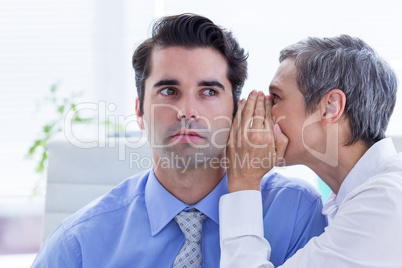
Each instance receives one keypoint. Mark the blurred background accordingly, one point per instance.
(56, 53)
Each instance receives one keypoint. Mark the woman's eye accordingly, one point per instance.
(168, 91)
(210, 92)
(275, 98)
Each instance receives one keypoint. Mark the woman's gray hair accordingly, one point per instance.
(349, 64)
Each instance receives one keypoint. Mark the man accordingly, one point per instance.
(335, 97)
(189, 76)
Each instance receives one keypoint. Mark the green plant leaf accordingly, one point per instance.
(48, 128)
(60, 109)
(41, 165)
(53, 88)
(32, 149)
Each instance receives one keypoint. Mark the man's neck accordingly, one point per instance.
(189, 185)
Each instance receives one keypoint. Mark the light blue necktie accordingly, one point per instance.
(190, 223)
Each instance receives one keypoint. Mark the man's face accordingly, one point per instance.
(289, 112)
(188, 103)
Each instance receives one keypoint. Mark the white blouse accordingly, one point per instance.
(365, 221)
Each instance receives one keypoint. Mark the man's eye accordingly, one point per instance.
(210, 92)
(168, 91)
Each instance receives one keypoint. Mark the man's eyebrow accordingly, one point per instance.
(167, 82)
(213, 83)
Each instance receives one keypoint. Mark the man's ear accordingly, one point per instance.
(332, 106)
(140, 119)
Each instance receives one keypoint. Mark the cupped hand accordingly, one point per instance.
(255, 143)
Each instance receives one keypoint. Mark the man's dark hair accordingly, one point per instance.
(348, 64)
(191, 31)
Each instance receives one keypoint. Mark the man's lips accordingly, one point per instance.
(187, 135)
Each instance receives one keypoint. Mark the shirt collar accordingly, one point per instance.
(364, 169)
(162, 206)
(209, 205)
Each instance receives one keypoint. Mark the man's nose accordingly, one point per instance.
(188, 108)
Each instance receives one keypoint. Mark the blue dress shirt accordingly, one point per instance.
(133, 226)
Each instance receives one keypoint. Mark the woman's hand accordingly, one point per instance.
(256, 144)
